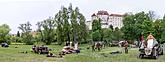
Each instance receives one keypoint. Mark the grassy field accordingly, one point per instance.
(12, 54)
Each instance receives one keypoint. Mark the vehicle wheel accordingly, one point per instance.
(161, 53)
(141, 56)
(156, 57)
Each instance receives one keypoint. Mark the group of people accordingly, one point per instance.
(97, 46)
(125, 45)
(150, 42)
(68, 49)
(64, 51)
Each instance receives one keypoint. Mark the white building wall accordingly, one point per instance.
(89, 25)
(116, 21)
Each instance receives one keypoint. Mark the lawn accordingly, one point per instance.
(12, 54)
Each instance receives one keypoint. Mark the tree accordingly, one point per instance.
(107, 35)
(157, 29)
(111, 27)
(152, 15)
(18, 34)
(17, 38)
(70, 25)
(4, 33)
(129, 27)
(163, 29)
(147, 28)
(137, 24)
(59, 31)
(96, 30)
(66, 25)
(75, 24)
(40, 35)
(47, 33)
(96, 35)
(117, 34)
(26, 33)
(83, 34)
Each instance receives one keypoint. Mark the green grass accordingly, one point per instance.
(11, 55)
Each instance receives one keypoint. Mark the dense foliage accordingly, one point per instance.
(144, 24)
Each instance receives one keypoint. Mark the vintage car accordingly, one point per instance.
(151, 48)
(40, 49)
(160, 49)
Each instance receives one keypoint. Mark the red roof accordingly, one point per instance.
(102, 13)
(93, 15)
(119, 15)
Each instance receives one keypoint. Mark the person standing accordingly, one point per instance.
(76, 47)
(126, 47)
(142, 42)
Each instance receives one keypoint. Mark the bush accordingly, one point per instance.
(39, 43)
(8, 42)
(29, 41)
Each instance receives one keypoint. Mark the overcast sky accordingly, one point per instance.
(15, 12)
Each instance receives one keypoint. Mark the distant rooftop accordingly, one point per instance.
(102, 13)
(93, 15)
(119, 15)
(106, 13)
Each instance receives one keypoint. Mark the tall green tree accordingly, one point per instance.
(59, 30)
(129, 29)
(66, 25)
(83, 29)
(75, 24)
(47, 33)
(40, 33)
(26, 33)
(70, 25)
(108, 35)
(96, 30)
(117, 34)
(157, 29)
(18, 34)
(111, 27)
(4, 33)
(163, 29)
(137, 24)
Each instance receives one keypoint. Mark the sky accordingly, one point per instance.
(15, 12)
